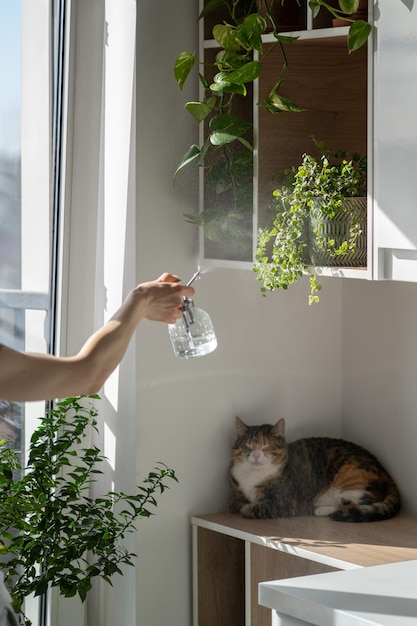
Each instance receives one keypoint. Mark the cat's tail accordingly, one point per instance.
(369, 507)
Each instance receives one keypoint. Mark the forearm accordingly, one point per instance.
(104, 350)
(26, 376)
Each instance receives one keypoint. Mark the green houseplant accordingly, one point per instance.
(52, 533)
(226, 152)
(319, 218)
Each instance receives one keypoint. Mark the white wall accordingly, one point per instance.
(379, 399)
(277, 357)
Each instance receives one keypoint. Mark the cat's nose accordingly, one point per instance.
(257, 454)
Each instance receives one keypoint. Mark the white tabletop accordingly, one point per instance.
(385, 595)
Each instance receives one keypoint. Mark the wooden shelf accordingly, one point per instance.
(232, 555)
(338, 544)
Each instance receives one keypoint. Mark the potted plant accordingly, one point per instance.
(52, 533)
(225, 81)
(319, 219)
(361, 13)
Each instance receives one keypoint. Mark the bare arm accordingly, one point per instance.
(26, 376)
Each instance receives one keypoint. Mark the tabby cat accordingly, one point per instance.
(313, 476)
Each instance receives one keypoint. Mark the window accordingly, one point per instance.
(29, 34)
(75, 146)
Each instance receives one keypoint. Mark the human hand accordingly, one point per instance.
(161, 299)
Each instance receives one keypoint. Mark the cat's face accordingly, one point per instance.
(258, 446)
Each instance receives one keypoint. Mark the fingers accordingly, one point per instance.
(176, 315)
(162, 299)
(184, 291)
(173, 279)
(168, 278)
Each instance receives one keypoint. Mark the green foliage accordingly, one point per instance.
(227, 152)
(51, 531)
(282, 249)
(239, 63)
(229, 198)
(359, 30)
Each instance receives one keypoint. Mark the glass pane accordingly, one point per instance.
(25, 213)
(10, 151)
(11, 320)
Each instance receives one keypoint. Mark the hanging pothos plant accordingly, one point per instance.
(227, 151)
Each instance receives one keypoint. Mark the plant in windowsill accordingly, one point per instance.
(227, 153)
(52, 533)
(319, 219)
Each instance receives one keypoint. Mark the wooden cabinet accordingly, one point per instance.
(363, 101)
(232, 555)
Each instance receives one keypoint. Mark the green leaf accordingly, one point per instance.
(245, 143)
(229, 60)
(314, 7)
(358, 34)
(246, 74)
(183, 66)
(348, 6)
(193, 218)
(210, 6)
(277, 104)
(200, 110)
(191, 155)
(226, 128)
(225, 35)
(225, 86)
(249, 33)
(203, 80)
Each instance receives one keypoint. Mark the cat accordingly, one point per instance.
(320, 476)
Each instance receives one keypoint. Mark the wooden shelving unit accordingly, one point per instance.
(323, 78)
(232, 555)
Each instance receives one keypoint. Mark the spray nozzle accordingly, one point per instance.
(187, 304)
(196, 275)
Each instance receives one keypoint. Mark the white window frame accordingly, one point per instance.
(97, 265)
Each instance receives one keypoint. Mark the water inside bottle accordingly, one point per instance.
(186, 347)
(193, 335)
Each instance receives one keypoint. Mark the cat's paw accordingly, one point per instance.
(323, 511)
(256, 510)
(249, 511)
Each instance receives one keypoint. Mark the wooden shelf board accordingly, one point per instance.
(338, 544)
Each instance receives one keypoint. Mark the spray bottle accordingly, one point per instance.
(193, 333)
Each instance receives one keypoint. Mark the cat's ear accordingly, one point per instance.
(279, 428)
(241, 427)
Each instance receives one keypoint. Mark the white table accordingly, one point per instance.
(383, 595)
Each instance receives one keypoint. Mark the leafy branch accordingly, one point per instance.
(309, 196)
(359, 30)
(52, 532)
